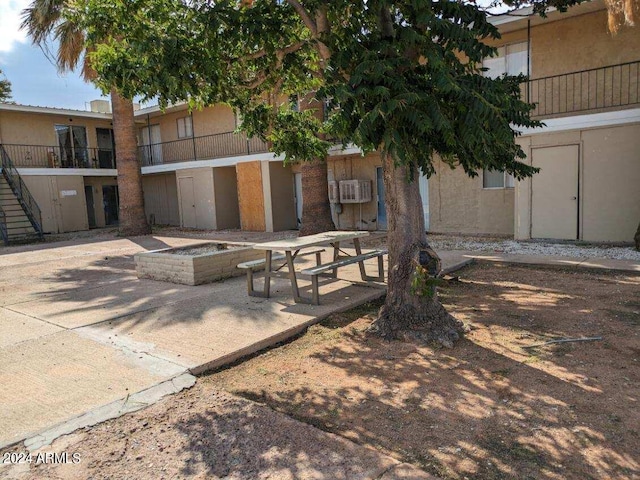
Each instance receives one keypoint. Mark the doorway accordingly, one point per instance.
(110, 204)
(297, 188)
(187, 202)
(382, 211)
(91, 211)
(106, 148)
(151, 140)
(555, 192)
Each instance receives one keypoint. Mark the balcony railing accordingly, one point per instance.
(42, 156)
(219, 145)
(598, 89)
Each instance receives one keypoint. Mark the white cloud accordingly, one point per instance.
(10, 33)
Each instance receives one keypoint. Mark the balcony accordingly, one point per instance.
(208, 147)
(603, 89)
(42, 156)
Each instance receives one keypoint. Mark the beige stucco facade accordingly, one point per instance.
(607, 161)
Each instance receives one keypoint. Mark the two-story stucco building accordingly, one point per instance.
(197, 173)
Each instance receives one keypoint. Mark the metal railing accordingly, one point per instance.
(4, 234)
(22, 193)
(219, 145)
(44, 156)
(603, 88)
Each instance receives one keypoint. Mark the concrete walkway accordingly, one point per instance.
(84, 340)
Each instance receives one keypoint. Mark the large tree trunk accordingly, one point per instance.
(637, 238)
(316, 211)
(132, 218)
(412, 310)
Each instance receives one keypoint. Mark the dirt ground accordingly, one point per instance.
(486, 409)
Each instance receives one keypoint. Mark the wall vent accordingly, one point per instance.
(334, 196)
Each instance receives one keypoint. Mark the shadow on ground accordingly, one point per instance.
(487, 408)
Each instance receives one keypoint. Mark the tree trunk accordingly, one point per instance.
(316, 212)
(412, 310)
(132, 218)
(637, 238)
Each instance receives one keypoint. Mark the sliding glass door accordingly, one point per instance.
(72, 141)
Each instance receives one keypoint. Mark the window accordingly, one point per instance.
(497, 179)
(511, 59)
(185, 127)
(72, 141)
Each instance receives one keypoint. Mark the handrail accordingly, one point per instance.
(50, 156)
(3, 227)
(205, 147)
(592, 89)
(22, 193)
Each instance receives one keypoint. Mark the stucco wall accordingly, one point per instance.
(17, 128)
(61, 200)
(459, 204)
(355, 167)
(609, 203)
(161, 198)
(576, 43)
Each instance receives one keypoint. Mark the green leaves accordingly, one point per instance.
(403, 76)
(5, 89)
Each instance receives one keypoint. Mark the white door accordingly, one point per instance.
(152, 153)
(297, 186)
(424, 194)
(187, 202)
(555, 192)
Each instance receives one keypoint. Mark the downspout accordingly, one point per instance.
(528, 60)
(193, 137)
(149, 133)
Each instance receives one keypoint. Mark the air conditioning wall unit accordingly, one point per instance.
(355, 191)
(334, 195)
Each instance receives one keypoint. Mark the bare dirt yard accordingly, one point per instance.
(487, 409)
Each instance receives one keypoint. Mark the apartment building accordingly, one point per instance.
(198, 173)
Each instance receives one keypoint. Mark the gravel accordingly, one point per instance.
(534, 248)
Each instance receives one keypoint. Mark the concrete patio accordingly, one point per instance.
(84, 340)
(81, 331)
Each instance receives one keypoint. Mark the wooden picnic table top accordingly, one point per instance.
(298, 243)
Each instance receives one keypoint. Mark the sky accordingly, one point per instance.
(34, 79)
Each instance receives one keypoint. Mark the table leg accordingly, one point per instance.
(292, 277)
(363, 273)
(267, 274)
(336, 256)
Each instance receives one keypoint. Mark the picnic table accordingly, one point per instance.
(300, 246)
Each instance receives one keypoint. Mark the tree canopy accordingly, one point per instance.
(5, 88)
(406, 74)
(400, 77)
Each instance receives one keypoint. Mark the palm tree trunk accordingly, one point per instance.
(131, 199)
(412, 310)
(316, 212)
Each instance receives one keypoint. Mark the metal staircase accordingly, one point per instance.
(20, 216)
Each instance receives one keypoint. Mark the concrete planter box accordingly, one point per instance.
(210, 262)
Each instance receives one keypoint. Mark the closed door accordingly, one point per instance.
(297, 184)
(382, 211)
(555, 192)
(187, 202)
(91, 212)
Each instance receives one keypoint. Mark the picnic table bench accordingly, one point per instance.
(301, 246)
